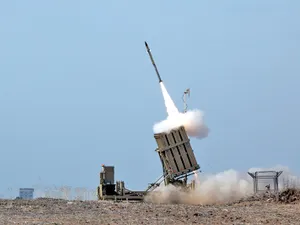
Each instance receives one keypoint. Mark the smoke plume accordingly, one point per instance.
(223, 187)
(191, 120)
(170, 105)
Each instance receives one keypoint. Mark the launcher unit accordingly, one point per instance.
(178, 162)
(176, 155)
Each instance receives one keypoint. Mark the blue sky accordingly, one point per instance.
(77, 88)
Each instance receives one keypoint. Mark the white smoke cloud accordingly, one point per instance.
(219, 188)
(223, 187)
(192, 121)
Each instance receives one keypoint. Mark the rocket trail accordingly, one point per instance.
(170, 105)
(152, 60)
(191, 120)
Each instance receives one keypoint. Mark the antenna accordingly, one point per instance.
(184, 97)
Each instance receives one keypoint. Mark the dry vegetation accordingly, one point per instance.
(265, 209)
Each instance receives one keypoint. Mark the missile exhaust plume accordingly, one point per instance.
(191, 120)
(170, 105)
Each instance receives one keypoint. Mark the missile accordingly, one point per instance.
(152, 60)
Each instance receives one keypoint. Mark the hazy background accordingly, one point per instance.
(77, 88)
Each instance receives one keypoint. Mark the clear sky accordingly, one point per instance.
(77, 88)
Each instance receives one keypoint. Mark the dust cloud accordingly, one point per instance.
(223, 187)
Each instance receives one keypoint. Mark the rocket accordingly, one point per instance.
(152, 60)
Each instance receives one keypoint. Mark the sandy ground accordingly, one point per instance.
(54, 211)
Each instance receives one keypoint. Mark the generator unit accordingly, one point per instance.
(109, 190)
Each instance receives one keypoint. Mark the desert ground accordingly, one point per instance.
(253, 210)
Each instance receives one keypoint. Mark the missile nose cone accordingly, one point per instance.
(146, 44)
